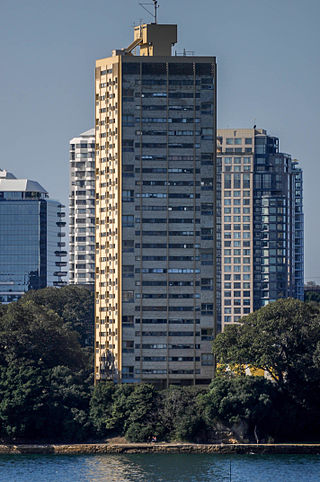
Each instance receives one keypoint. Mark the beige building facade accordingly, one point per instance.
(156, 297)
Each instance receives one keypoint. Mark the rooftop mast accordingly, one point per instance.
(156, 6)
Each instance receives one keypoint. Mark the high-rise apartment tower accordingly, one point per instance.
(156, 271)
(82, 209)
(32, 244)
(262, 222)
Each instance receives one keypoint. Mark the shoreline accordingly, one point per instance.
(157, 448)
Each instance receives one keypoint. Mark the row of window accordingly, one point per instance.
(236, 269)
(170, 258)
(168, 233)
(164, 220)
(171, 183)
(236, 227)
(164, 170)
(202, 132)
(156, 69)
(236, 210)
(237, 219)
(160, 145)
(161, 120)
(170, 270)
(170, 95)
(237, 252)
(178, 296)
(238, 140)
(171, 195)
(165, 321)
(169, 245)
(170, 358)
(161, 346)
(204, 207)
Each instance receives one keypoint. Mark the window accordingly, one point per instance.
(127, 296)
(127, 271)
(207, 234)
(128, 120)
(206, 359)
(207, 108)
(127, 170)
(206, 259)
(127, 195)
(128, 246)
(206, 334)
(206, 309)
(207, 284)
(127, 145)
(127, 221)
(127, 320)
(207, 133)
(207, 209)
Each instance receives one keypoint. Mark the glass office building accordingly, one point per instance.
(32, 246)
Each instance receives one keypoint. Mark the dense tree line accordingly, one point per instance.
(47, 393)
(46, 365)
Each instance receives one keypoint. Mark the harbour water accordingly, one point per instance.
(159, 468)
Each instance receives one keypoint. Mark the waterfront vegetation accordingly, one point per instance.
(47, 393)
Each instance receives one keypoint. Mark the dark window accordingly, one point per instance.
(181, 68)
(154, 68)
(203, 69)
(130, 68)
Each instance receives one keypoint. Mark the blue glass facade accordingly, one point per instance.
(30, 243)
(20, 249)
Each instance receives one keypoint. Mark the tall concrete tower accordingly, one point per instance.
(157, 252)
(82, 209)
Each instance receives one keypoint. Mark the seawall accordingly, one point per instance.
(159, 448)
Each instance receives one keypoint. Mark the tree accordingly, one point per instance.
(248, 402)
(180, 415)
(73, 303)
(32, 332)
(22, 400)
(100, 406)
(281, 339)
(68, 404)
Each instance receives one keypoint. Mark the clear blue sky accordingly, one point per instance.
(268, 64)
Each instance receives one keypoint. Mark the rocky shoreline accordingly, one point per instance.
(158, 448)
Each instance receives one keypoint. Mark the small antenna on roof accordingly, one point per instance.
(156, 6)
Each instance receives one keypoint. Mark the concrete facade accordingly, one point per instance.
(82, 209)
(157, 310)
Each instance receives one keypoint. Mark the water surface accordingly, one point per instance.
(159, 468)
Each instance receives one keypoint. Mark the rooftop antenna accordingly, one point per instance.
(156, 6)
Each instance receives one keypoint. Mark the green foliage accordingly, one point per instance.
(46, 391)
(35, 333)
(180, 415)
(45, 384)
(312, 296)
(101, 405)
(68, 404)
(75, 306)
(234, 400)
(129, 410)
(22, 400)
(280, 338)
